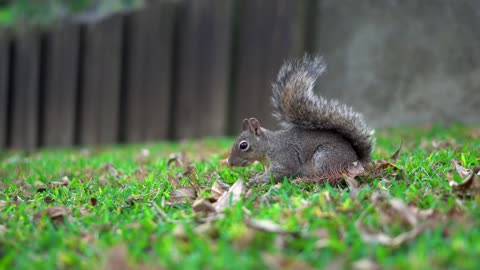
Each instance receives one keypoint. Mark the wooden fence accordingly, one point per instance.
(175, 69)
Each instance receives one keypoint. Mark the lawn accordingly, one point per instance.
(178, 206)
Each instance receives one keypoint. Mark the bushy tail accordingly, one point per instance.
(295, 103)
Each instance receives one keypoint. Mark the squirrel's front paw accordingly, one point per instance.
(259, 179)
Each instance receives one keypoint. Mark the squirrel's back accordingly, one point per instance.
(295, 103)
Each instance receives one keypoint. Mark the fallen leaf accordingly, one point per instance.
(117, 258)
(83, 211)
(470, 186)
(88, 238)
(322, 235)
(180, 232)
(3, 229)
(203, 206)
(218, 189)
(391, 210)
(266, 225)
(383, 164)
(177, 158)
(62, 183)
(143, 155)
(387, 240)
(223, 163)
(179, 195)
(93, 201)
(207, 229)
(462, 171)
(57, 214)
(366, 264)
(351, 182)
(355, 168)
(48, 199)
(40, 186)
(232, 196)
(284, 263)
(2, 204)
(395, 155)
(192, 176)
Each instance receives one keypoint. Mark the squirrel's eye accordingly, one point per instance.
(243, 145)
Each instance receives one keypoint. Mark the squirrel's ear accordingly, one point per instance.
(255, 126)
(245, 124)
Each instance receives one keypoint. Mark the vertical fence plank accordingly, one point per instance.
(100, 85)
(60, 85)
(148, 72)
(203, 68)
(268, 32)
(4, 85)
(26, 89)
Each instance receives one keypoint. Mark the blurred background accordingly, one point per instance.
(88, 72)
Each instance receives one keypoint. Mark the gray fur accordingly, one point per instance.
(320, 139)
(295, 104)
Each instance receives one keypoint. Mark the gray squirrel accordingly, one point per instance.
(320, 138)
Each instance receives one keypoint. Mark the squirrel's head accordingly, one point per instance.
(250, 144)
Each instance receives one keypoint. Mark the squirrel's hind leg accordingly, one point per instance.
(330, 161)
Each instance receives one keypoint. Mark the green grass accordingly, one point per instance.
(119, 196)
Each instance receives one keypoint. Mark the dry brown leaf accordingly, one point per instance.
(192, 176)
(355, 168)
(322, 235)
(57, 214)
(391, 210)
(2, 204)
(48, 199)
(87, 237)
(218, 189)
(383, 164)
(462, 171)
(207, 229)
(395, 155)
(233, 196)
(3, 228)
(366, 264)
(111, 169)
(351, 182)
(40, 186)
(203, 206)
(177, 158)
(284, 263)
(180, 232)
(117, 258)
(83, 211)
(266, 225)
(470, 186)
(436, 144)
(246, 239)
(93, 201)
(62, 183)
(223, 163)
(387, 240)
(143, 155)
(182, 194)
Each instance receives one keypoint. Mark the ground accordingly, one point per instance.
(177, 205)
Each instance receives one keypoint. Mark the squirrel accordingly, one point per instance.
(320, 138)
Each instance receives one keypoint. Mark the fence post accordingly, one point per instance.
(62, 48)
(149, 34)
(268, 32)
(4, 85)
(100, 81)
(25, 90)
(203, 68)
